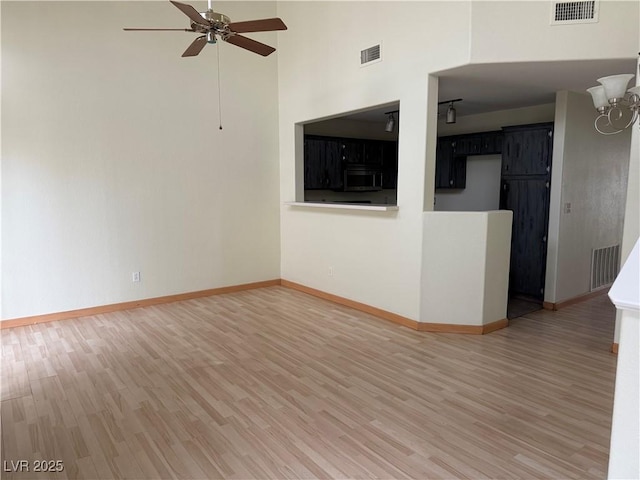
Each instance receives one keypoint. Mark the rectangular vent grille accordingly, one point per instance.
(604, 266)
(574, 12)
(370, 55)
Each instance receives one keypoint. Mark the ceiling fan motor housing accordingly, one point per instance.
(213, 19)
(216, 24)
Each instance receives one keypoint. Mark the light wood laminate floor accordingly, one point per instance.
(273, 383)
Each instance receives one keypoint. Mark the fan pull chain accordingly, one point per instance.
(219, 95)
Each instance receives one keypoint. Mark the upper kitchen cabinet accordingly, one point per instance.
(527, 149)
(327, 158)
(333, 163)
(357, 151)
(452, 152)
(373, 152)
(322, 163)
(313, 162)
(485, 143)
(389, 164)
(451, 169)
(467, 144)
(490, 143)
(352, 150)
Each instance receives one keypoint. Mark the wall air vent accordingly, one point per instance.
(563, 13)
(370, 55)
(605, 262)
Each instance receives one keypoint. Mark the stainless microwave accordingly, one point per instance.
(362, 178)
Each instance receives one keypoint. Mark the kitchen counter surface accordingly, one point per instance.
(345, 206)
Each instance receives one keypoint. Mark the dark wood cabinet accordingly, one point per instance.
(526, 182)
(490, 143)
(325, 160)
(485, 143)
(528, 198)
(333, 164)
(352, 151)
(389, 164)
(322, 163)
(451, 169)
(356, 151)
(373, 152)
(527, 149)
(452, 152)
(444, 158)
(467, 144)
(313, 164)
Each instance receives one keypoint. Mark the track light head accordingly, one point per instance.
(391, 123)
(451, 111)
(451, 114)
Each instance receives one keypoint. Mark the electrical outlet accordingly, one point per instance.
(567, 207)
(135, 277)
(331, 271)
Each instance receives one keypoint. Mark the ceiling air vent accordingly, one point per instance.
(563, 13)
(370, 55)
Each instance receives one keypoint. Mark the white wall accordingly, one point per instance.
(466, 271)
(632, 203)
(498, 258)
(521, 31)
(103, 180)
(624, 458)
(1, 194)
(482, 190)
(631, 229)
(112, 161)
(624, 461)
(590, 172)
(320, 77)
(376, 256)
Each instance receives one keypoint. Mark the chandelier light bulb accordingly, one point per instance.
(618, 107)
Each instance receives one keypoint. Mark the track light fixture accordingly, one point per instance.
(391, 121)
(618, 107)
(451, 114)
(451, 111)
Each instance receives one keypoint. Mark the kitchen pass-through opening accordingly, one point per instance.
(352, 158)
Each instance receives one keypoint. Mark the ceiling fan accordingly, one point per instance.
(216, 25)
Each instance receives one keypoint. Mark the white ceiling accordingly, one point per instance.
(501, 86)
(489, 87)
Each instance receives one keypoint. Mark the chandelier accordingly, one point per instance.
(618, 107)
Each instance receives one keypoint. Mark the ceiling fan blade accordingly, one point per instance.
(265, 25)
(158, 30)
(191, 12)
(196, 47)
(251, 45)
